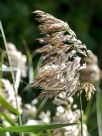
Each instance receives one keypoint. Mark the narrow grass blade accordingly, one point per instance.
(33, 128)
(8, 106)
(99, 110)
(7, 118)
(13, 110)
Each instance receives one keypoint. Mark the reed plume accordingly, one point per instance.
(63, 57)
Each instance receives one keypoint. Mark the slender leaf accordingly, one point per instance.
(7, 118)
(32, 128)
(8, 106)
(13, 110)
(98, 107)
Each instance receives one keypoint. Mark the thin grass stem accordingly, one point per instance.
(13, 79)
(81, 115)
(99, 119)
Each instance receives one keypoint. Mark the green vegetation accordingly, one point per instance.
(20, 108)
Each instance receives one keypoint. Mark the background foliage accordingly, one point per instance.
(83, 16)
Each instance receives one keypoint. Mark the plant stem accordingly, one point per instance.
(99, 119)
(81, 115)
(13, 78)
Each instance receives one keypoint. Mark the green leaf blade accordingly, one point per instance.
(7, 106)
(32, 128)
(7, 118)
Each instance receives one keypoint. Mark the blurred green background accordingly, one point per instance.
(83, 16)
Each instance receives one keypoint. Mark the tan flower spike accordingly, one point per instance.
(63, 57)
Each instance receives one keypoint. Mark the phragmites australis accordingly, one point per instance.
(62, 57)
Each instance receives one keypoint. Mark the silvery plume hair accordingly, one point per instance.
(63, 57)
